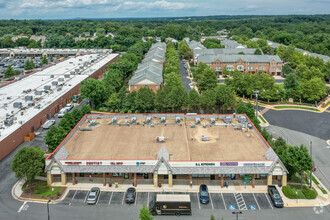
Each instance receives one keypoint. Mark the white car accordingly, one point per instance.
(48, 124)
(69, 107)
(62, 112)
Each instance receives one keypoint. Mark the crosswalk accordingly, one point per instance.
(240, 201)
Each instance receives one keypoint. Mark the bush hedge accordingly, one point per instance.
(309, 193)
(289, 192)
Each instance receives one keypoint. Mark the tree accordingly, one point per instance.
(161, 99)
(28, 163)
(208, 99)
(177, 98)
(54, 137)
(291, 82)
(144, 100)
(193, 99)
(67, 122)
(9, 72)
(286, 70)
(44, 60)
(113, 102)
(94, 90)
(145, 213)
(85, 109)
(29, 65)
(257, 52)
(199, 71)
(300, 160)
(77, 115)
(314, 90)
(226, 97)
(208, 80)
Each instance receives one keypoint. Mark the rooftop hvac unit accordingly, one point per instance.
(162, 120)
(54, 83)
(72, 72)
(227, 119)
(47, 87)
(192, 126)
(61, 79)
(177, 119)
(160, 139)
(38, 92)
(242, 119)
(234, 115)
(114, 120)
(66, 76)
(148, 120)
(205, 138)
(28, 98)
(31, 104)
(198, 121)
(17, 105)
(133, 120)
(76, 70)
(9, 121)
(204, 125)
(212, 120)
(59, 89)
(81, 67)
(51, 76)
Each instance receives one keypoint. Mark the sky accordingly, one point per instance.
(66, 9)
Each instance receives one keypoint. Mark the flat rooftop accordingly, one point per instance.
(182, 142)
(61, 73)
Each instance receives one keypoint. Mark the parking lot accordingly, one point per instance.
(226, 201)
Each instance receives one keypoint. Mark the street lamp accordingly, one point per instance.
(256, 92)
(237, 213)
(297, 196)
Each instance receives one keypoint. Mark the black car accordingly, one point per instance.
(204, 197)
(275, 197)
(130, 195)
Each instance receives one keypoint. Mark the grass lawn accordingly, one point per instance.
(295, 107)
(317, 183)
(295, 192)
(39, 188)
(262, 119)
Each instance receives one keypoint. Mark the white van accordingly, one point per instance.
(62, 112)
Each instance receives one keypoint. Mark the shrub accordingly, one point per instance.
(101, 109)
(129, 111)
(289, 192)
(309, 193)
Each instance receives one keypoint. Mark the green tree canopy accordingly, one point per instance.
(28, 163)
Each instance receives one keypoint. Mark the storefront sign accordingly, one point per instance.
(231, 164)
(93, 163)
(205, 164)
(73, 163)
(254, 164)
(140, 163)
(116, 163)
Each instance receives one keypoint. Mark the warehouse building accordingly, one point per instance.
(168, 149)
(27, 103)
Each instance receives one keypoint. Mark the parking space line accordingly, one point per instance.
(98, 198)
(268, 201)
(86, 197)
(224, 201)
(20, 209)
(136, 198)
(122, 202)
(256, 201)
(199, 204)
(211, 201)
(73, 197)
(110, 197)
(148, 201)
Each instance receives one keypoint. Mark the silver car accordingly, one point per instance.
(48, 124)
(62, 112)
(93, 195)
(69, 107)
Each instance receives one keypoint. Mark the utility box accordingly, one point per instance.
(17, 105)
(28, 98)
(205, 138)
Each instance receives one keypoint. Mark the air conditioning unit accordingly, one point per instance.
(212, 120)
(162, 120)
(198, 121)
(160, 139)
(177, 119)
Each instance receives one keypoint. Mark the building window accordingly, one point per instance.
(146, 86)
(273, 68)
(135, 87)
(230, 68)
(262, 67)
(201, 175)
(157, 87)
(240, 68)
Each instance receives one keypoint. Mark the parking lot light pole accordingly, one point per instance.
(237, 213)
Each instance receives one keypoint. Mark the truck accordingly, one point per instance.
(275, 196)
(169, 204)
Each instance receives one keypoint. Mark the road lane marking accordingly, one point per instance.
(110, 197)
(73, 197)
(135, 198)
(199, 204)
(256, 200)
(86, 197)
(268, 201)
(20, 209)
(211, 201)
(224, 201)
(122, 202)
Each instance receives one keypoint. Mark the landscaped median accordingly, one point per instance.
(282, 107)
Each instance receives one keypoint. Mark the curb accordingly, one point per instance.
(23, 199)
(302, 204)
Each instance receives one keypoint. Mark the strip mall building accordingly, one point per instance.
(165, 149)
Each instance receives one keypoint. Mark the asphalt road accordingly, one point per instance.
(184, 75)
(315, 124)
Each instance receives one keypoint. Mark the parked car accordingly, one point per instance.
(62, 112)
(169, 204)
(275, 196)
(48, 124)
(93, 195)
(204, 194)
(130, 195)
(69, 107)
